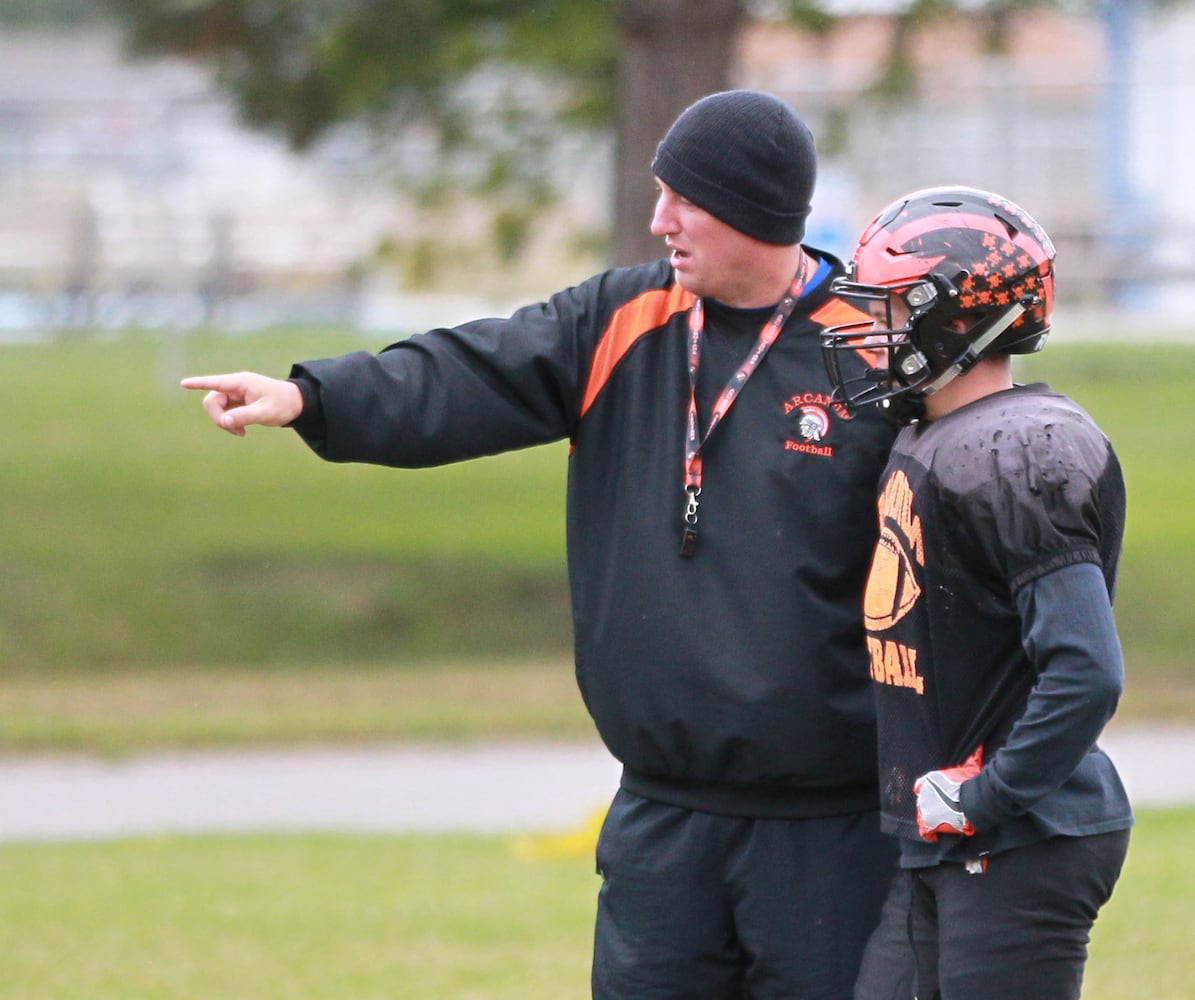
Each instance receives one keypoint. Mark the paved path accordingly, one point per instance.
(492, 788)
(498, 788)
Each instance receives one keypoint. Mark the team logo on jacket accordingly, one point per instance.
(813, 412)
(814, 423)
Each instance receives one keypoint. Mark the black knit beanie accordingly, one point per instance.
(747, 159)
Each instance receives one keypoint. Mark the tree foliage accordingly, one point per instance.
(300, 67)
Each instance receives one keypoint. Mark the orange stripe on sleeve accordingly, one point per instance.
(642, 314)
(839, 313)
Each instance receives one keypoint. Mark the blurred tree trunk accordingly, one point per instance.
(671, 52)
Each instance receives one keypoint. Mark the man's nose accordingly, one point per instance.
(662, 220)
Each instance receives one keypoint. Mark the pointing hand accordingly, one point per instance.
(235, 401)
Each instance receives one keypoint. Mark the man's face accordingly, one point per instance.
(710, 258)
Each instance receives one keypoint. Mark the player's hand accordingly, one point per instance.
(237, 400)
(938, 807)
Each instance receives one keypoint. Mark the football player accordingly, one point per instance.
(994, 653)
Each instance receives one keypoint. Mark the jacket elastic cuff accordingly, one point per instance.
(981, 803)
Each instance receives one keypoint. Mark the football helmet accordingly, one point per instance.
(948, 275)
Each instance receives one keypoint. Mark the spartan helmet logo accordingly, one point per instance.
(813, 424)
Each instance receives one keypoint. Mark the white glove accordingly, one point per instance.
(938, 807)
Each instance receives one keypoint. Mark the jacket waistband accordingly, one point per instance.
(753, 801)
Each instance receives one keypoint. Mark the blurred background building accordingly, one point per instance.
(130, 196)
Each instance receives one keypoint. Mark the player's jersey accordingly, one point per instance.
(973, 507)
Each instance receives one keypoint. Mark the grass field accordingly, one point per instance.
(421, 918)
(120, 713)
(136, 535)
(167, 583)
(268, 918)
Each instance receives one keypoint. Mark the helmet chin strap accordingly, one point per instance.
(975, 350)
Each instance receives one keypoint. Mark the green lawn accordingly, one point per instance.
(127, 712)
(1140, 945)
(421, 918)
(166, 583)
(137, 535)
(283, 918)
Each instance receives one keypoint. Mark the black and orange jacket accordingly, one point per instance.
(734, 681)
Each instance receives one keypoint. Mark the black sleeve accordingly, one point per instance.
(310, 421)
(450, 394)
(1069, 634)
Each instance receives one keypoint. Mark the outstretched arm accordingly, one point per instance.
(237, 400)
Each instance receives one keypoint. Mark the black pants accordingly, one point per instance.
(1019, 929)
(720, 908)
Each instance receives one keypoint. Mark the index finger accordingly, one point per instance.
(220, 383)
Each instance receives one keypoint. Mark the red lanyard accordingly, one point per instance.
(694, 440)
